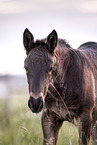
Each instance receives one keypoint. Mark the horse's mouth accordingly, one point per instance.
(35, 106)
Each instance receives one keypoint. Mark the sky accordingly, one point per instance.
(74, 20)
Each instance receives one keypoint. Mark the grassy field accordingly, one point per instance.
(18, 126)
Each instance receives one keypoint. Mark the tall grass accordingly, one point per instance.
(19, 126)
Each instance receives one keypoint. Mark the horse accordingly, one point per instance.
(62, 83)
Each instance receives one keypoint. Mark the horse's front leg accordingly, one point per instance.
(51, 125)
(85, 128)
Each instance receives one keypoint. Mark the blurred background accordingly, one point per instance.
(74, 20)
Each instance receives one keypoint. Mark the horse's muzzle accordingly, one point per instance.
(35, 105)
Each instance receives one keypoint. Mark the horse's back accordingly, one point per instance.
(90, 49)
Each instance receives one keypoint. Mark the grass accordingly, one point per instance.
(18, 126)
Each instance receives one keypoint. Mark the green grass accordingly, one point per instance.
(19, 126)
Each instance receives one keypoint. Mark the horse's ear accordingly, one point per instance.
(28, 40)
(52, 40)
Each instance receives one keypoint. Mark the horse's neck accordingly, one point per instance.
(61, 60)
(61, 55)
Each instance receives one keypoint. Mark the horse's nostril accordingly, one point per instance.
(41, 104)
(35, 104)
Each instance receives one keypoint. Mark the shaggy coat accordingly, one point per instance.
(62, 81)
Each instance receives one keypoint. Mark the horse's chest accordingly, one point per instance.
(58, 107)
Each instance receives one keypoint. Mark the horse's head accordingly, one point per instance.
(38, 65)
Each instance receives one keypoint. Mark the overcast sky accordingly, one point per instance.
(74, 20)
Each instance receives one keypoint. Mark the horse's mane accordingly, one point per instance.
(41, 43)
(64, 42)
